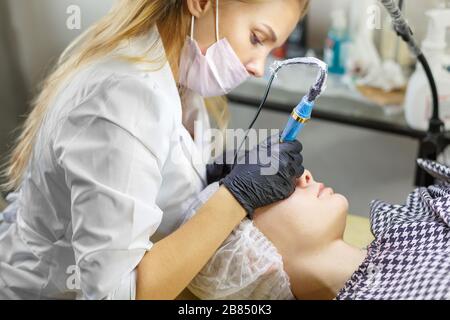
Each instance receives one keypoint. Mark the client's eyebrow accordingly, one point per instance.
(272, 33)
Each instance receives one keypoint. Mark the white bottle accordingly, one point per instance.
(418, 102)
(392, 47)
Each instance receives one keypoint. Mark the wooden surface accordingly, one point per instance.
(383, 98)
(357, 231)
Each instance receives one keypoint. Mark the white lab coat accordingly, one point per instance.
(113, 171)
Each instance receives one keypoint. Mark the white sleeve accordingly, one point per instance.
(126, 289)
(112, 164)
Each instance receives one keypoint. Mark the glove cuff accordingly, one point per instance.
(250, 211)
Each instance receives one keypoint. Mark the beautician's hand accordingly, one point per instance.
(221, 167)
(266, 181)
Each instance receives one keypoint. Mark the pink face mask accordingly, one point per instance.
(217, 72)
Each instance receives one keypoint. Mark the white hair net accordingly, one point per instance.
(246, 267)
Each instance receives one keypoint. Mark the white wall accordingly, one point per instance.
(12, 87)
(319, 20)
(42, 32)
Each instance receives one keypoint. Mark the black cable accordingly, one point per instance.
(434, 91)
(313, 93)
(261, 106)
(403, 29)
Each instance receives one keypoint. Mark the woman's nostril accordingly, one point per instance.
(255, 70)
(255, 73)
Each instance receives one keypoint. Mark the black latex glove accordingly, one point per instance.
(260, 184)
(221, 167)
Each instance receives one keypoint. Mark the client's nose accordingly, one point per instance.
(306, 179)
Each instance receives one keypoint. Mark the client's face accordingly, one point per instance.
(312, 217)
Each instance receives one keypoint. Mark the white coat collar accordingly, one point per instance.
(198, 150)
(194, 116)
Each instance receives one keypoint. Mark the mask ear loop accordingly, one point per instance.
(192, 27)
(217, 23)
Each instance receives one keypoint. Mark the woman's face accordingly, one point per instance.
(312, 217)
(253, 28)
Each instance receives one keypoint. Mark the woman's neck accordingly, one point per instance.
(322, 273)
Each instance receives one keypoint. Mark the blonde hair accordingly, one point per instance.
(128, 19)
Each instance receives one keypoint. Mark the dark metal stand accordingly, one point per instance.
(434, 143)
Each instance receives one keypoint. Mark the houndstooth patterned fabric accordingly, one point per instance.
(410, 256)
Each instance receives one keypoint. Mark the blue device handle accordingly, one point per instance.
(299, 117)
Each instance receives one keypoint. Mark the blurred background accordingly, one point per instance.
(362, 164)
